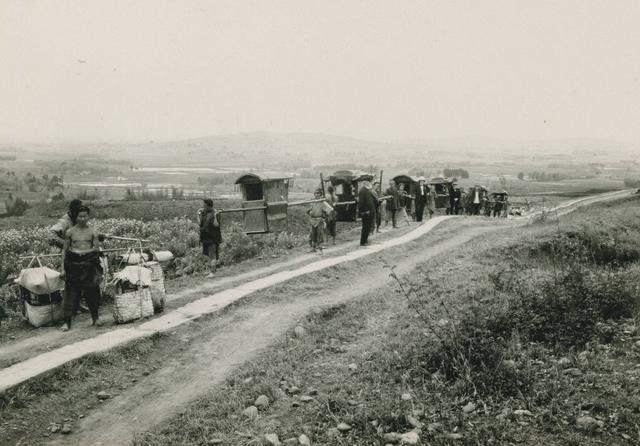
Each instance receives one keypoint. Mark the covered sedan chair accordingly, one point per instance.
(264, 201)
(443, 187)
(500, 203)
(346, 184)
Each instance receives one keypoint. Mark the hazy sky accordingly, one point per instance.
(159, 70)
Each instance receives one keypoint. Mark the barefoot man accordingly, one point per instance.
(81, 268)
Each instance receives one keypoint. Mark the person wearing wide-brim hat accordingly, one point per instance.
(422, 192)
(366, 210)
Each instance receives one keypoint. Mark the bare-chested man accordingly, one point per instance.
(81, 268)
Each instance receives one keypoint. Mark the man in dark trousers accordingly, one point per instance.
(377, 191)
(393, 202)
(80, 267)
(367, 211)
(210, 235)
(421, 198)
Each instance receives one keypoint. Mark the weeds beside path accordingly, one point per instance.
(194, 355)
(373, 370)
(206, 351)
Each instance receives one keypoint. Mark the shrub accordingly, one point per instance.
(17, 207)
(563, 309)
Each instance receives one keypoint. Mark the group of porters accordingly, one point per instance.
(264, 207)
(265, 197)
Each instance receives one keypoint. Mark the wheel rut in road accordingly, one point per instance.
(238, 336)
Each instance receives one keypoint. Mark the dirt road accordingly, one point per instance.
(240, 334)
(211, 347)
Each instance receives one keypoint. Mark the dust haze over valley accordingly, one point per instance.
(491, 296)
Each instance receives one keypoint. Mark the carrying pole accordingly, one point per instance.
(322, 185)
(380, 185)
(128, 239)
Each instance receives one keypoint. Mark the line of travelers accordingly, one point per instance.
(397, 204)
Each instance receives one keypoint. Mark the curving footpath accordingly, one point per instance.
(46, 362)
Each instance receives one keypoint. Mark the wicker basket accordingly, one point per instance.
(132, 305)
(41, 315)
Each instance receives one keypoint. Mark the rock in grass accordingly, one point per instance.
(306, 398)
(66, 429)
(102, 395)
(455, 436)
(271, 440)
(293, 390)
(54, 428)
(588, 424)
(392, 437)
(353, 366)
(304, 440)
(215, 441)
(522, 413)
(343, 427)
(406, 397)
(468, 408)
(509, 364)
(299, 331)
(563, 362)
(411, 437)
(413, 421)
(262, 402)
(250, 412)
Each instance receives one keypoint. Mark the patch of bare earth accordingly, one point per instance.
(156, 380)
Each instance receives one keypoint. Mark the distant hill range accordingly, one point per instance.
(263, 149)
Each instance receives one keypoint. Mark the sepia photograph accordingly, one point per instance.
(319, 222)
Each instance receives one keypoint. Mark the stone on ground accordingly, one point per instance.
(343, 427)
(469, 407)
(411, 437)
(271, 440)
(304, 440)
(250, 412)
(299, 331)
(588, 424)
(262, 402)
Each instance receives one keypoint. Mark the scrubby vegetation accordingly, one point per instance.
(167, 225)
(532, 341)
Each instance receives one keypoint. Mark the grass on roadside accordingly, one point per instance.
(505, 342)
